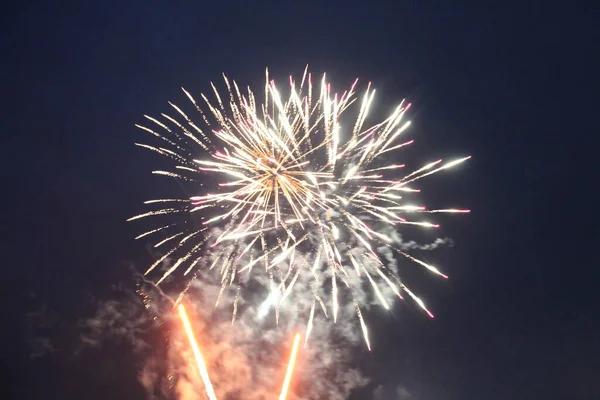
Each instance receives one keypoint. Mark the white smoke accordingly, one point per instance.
(40, 322)
(398, 393)
(247, 358)
(412, 245)
(404, 245)
(119, 319)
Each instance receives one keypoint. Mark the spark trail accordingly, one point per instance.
(290, 368)
(197, 354)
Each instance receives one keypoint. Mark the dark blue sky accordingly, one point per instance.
(514, 86)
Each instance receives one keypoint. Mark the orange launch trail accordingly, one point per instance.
(197, 354)
(290, 368)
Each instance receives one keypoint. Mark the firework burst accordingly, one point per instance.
(301, 195)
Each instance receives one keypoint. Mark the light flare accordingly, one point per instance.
(290, 368)
(197, 354)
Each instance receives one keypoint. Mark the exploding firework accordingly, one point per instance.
(302, 195)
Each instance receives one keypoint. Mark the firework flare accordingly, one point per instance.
(210, 392)
(247, 361)
(312, 201)
(203, 372)
(290, 368)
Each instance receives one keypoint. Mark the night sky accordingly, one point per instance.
(514, 86)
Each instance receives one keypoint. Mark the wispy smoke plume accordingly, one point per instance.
(398, 393)
(246, 358)
(412, 245)
(41, 323)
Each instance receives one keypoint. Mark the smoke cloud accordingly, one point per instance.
(398, 393)
(245, 331)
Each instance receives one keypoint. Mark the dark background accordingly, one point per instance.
(515, 86)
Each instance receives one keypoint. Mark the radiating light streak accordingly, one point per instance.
(197, 354)
(290, 368)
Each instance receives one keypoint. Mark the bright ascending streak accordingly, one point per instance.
(290, 368)
(197, 355)
(202, 366)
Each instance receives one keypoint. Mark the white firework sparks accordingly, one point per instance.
(301, 196)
